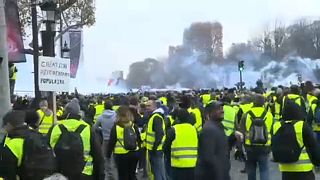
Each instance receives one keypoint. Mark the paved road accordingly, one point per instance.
(237, 166)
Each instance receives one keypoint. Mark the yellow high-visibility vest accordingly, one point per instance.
(46, 122)
(184, 148)
(119, 148)
(303, 164)
(72, 125)
(229, 119)
(258, 111)
(99, 110)
(150, 138)
(197, 113)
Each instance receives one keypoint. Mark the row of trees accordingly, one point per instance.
(300, 39)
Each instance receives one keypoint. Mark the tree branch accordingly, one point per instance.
(67, 29)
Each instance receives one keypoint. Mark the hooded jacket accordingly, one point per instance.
(106, 122)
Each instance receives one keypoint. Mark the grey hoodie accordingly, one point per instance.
(106, 122)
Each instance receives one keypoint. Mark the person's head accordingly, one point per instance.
(108, 105)
(43, 105)
(32, 119)
(258, 100)
(151, 105)
(13, 119)
(214, 111)
(309, 86)
(294, 89)
(72, 108)
(134, 101)
(292, 111)
(183, 116)
(124, 116)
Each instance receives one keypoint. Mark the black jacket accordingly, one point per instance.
(8, 161)
(213, 152)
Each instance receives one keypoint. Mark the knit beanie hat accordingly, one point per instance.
(73, 107)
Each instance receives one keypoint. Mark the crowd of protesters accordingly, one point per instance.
(167, 135)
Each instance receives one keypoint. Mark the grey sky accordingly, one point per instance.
(131, 30)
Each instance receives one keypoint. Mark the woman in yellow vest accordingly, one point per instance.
(126, 160)
(181, 145)
(310, 154)
(46, 117)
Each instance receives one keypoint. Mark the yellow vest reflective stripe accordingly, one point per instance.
(197, 113)
(246, 107)
(16, 147)
(171, 120)
(277, 111)
(143, 138)
(47, 122)
(257, 111)
(150, 138)
(72, 125)
(229, 119)
(184, 148)
(99, 110)
(303, 164)
(119, 149)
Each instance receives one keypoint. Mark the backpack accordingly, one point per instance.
(258, 133)
(285, 147)
(129, 139)
(70, 152)
(39, 160)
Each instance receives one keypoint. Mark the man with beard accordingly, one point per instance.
(213, 152)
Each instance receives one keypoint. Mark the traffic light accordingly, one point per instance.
(241, 65)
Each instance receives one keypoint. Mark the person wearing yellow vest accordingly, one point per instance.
(99, 110)
(13, 148)
(295, 95)
(310, 154)
(256, 125)
(230, 117)
(206, 98)
(181, 145)
(12, 77)
(126, 160)
(46, 117)
(155, 139)
(92, 160)
(213, 146)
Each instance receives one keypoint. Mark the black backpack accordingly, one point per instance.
(258, 132)
(129, 138)
(39, 160)
(285, 147)
(70, 152)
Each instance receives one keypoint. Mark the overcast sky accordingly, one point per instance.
(131, 30)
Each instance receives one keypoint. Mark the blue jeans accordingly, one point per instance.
(263, 162)
(157, 165)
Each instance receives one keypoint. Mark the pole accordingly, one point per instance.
(5, 105)
(37, 93)
(48, 50)
(241, 83)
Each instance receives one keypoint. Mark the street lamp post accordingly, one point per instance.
(241, 68)
(49, 11)
(65, 51)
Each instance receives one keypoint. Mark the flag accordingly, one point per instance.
(14, 37)
(75, 37)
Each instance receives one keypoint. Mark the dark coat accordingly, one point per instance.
(213, 153)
